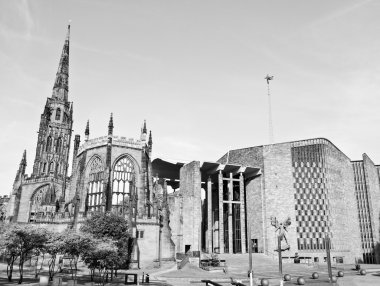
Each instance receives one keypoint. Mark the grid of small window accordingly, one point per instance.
(311, 200)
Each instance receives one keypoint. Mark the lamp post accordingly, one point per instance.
(328, 247)
(250, 271)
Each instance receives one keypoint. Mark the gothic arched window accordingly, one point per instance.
(57, 168)
(58, 114)
(48, 144)
(44, 168)
(95, 185)
(122, 184)
(58, 145)
(43, 201)
(51, 167)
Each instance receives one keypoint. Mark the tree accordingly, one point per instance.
(103, 256)
(54, 246)
(75, 244)
(113, 227)
(108, 225)
(20, 242)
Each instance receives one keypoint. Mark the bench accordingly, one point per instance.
(134, 275)
(209, 282)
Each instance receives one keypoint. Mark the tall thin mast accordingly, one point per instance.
(271, 136)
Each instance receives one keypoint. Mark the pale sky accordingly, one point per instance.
(195, 71)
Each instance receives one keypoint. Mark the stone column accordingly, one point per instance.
(242, 213)
(230, 228)
(221, 223)
(209, 216)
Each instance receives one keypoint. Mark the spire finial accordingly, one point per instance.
(110, 125)
(61, 84)
(87, 130)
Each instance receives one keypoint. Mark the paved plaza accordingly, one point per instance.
(237, 266)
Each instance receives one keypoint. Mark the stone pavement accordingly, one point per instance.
(237, 266)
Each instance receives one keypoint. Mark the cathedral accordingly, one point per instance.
(182, 210)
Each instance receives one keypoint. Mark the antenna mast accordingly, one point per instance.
(271, 136)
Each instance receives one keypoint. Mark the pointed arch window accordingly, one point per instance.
(44, 168)
(51, 167)
(48, 144)
(58, 114)
(58, 145)
(122, 184)
(43, 202)
(95, 185)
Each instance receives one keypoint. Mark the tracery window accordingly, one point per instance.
(58, 114)
(48, 144)
(122, 184)
(95, 185)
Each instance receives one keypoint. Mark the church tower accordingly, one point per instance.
(54, 134)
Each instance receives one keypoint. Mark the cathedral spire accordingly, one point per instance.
(87, 131)
(110, 126)
(61, 85)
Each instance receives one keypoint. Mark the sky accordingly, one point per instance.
(195, 71)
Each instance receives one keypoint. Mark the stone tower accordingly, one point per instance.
(54, 134)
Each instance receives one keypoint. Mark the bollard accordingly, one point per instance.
(264, 282)
(287, 277)
(44, 280)
(315, 275)
(301, 281)
(334, 279)
(363, 272)
(340, 273)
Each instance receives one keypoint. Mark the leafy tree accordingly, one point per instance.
(107, 225)
(75, 244)
(54, 246)
(113, 227)
(20, 242)
(102, 256)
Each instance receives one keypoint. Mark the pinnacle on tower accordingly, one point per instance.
(22, 167)
(144, 127)
(61, 84)
(150, 141)
(87, 131)
(143, 132)
(110, 126)
(23, 160)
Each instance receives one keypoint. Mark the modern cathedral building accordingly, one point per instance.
(177, 209)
